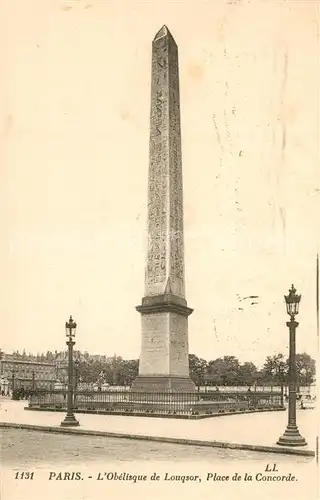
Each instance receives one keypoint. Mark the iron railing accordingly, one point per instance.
(157, 403)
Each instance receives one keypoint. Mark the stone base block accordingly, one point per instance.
(163, 384)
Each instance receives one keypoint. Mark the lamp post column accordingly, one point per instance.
(281, 379)
(292, 414)
(76, 378)
(292, 436)
(281, 396)
(13, 377)
(70, 419)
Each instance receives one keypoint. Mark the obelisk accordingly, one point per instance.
(164, 360)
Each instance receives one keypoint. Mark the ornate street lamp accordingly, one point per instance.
(70, 419)
(33, 380)
(292, 436)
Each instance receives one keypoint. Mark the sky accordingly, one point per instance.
(74, 124)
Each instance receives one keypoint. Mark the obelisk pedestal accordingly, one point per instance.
(164, 360)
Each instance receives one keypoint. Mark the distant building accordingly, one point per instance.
(16, 372)
(101, 358)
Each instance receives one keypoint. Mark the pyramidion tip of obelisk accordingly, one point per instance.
(164, 31)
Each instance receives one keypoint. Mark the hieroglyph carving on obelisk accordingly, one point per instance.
(165, 259)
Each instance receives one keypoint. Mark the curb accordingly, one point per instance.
(154, 415)
(192, 442)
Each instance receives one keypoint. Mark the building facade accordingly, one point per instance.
(16, 373)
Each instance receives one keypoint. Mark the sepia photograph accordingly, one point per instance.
(160, 268)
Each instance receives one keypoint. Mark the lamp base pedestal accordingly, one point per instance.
(292, 437)
(69, 421)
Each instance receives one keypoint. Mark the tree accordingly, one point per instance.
(49, 356)
(224, 370)
(275, 369)
(112, 370)
(89, 371)
(247, 374)
(306, 369)
(128, 371)
(198, 369)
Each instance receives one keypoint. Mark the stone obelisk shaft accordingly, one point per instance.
(165, 261)
(164, 363)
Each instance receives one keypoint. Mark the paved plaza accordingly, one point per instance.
(95, 448)
(257, 431)
(26, 448)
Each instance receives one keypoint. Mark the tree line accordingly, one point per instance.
(229, 371)
(221, 371)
